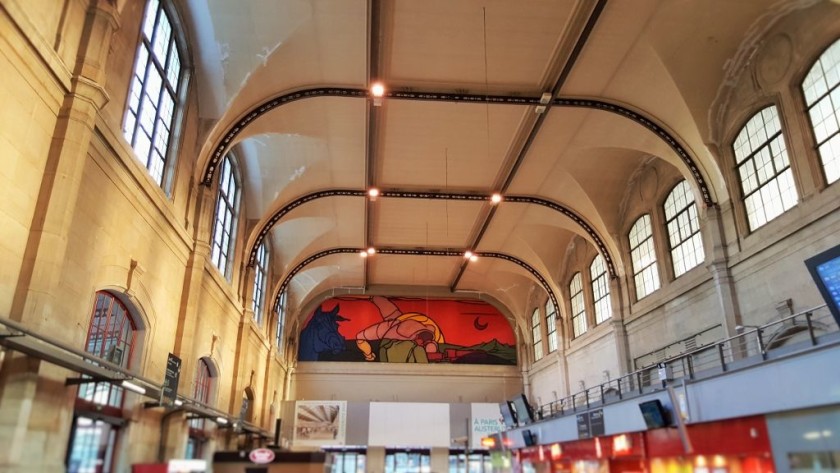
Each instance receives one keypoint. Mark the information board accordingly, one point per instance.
(170, 381)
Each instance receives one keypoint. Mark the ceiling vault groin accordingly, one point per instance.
(638, 117)
(415, 252)
(429, 195)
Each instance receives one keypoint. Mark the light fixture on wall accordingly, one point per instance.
(133, 387)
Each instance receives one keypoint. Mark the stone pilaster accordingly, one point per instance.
(718, 265)
(620, 308)
(35, 406)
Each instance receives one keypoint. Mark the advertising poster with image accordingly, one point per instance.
(320, 423)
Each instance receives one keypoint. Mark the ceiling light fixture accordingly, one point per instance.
(378, 91)
(496, 198)
(473, 258)
(371, 250)
(373, 193)
(468, 254)
(221, 420)
(363, 254)
(133, 387)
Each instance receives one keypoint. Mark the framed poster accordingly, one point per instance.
(320, 423)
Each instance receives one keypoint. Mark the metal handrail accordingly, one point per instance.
(16, 329)
(721, 354)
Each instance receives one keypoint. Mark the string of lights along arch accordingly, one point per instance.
(417, 252)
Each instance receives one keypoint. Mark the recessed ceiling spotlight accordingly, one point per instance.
(371, 250)
(373, 193)
(468, 254)
(496, 198)
(473, 258)
(363, 254)
(377, 89)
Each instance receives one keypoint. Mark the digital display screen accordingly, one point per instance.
(825, 269)
(830, 275)
(653, 414)
(523, 410)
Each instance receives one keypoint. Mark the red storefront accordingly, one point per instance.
(731, 446)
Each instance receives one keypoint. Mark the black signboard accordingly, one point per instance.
(590, 424)
(170, 381)
(596, 422)
(583, 426)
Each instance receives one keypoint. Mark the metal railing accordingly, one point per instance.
(754, 345)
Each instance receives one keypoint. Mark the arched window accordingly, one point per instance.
(201, 392)
(536, 332)
(600, 289)
(764, 168)
(227, 214)
(281, 320)
(260, 276)
(111, 336)
(683, 229)
(822, 96)
(579, 325)
(551, 326)
(643, 255)
(154, 99)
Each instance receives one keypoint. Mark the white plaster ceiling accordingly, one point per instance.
(665, 59)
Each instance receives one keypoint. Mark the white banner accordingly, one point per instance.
(485, 421)
(408, 424)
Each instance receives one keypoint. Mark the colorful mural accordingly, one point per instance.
(407, 330)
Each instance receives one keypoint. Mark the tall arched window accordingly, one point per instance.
(683, 229)
(111, 336)
(822, 96)
(579, 325)
(536, 332)
(260, 276)
(281, 320)
(154, 99)
(600, 289)
(764, 168)
(643, 255)
(551, 326)
(198, 427)
(227, 214)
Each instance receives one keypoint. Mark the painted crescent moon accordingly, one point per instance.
(478, 325)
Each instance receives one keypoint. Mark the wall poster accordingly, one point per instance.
(320, 423)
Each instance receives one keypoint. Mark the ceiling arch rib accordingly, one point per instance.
(555, 206)
(636, 116)
(415, 252)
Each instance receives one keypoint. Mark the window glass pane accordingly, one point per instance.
(821, 88)
(152, 106)
(536, 333)
(600, 289)
(765, 197)
(643, 257)
(578, 305)
(226, 217)
(551, 326)
(683, 229)
(260, 275)
(92, 447)
(110, 337)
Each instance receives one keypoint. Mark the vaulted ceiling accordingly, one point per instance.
(286, 85)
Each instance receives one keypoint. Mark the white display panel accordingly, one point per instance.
(408, 424)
